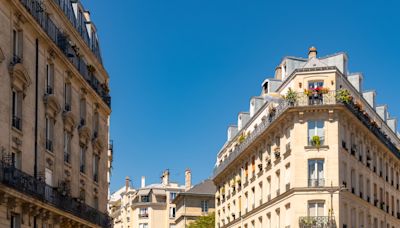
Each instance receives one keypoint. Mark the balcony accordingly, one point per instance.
(37, 189)
(316, 222)
(316, 183)
(382, 132)
(35, 9)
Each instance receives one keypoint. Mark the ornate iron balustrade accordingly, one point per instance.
(303, 101)
(38, 189)
(316, 222)
(35, 9)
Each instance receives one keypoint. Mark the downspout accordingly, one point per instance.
(35, 171)
(184, 206)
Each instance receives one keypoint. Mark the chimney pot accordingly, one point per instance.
(312, 52)
(188, 180)
(127, 183)
(143, 184)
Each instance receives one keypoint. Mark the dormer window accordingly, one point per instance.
(265, 87)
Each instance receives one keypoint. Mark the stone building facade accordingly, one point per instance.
(54, 117)
(314, 150)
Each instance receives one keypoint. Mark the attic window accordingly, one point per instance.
(265, 87)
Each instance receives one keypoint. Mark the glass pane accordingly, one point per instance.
(311, 169)
(320, 169)
(311, 129)
(320, 211)
(311, 209)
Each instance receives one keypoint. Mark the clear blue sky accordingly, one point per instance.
(181, 70)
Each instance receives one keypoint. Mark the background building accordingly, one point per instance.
(54, 117)
(194, 202)
(148, 206)
(314, 150)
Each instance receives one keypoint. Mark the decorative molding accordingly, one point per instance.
(19, 77)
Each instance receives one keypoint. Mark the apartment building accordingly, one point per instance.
(195, 202)
(150, 206)
(54, 117)
(314, 150)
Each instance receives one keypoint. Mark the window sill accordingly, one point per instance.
(322, 147)
(18, 131)
(67, 164)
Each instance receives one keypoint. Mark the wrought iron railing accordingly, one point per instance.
(316, 222)
(314, 183)
(38, 189)
(34, 7)
(304, 101)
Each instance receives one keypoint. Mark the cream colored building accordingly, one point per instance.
(195, 202)
(150, 206)
(287, 157)
(54, 117)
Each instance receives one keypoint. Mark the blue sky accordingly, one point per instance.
(181, 70)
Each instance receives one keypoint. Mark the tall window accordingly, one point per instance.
(17, 46)
(143, 212)
(172, 211)
(67, 96)
(315, 173)
(15, 221)
(315, 209)
(49, 78)
(96, 160)
(17, 109)
(49, 133)
(204, 206)
(316, 132)
(172, 196)
(96, 125)
(16, 159)
(96, 202)
(82, 156)
(67, 147)
(82, 112)
(143, 225)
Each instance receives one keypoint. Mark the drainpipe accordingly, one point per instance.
(35, 171)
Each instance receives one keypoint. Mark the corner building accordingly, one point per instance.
(315, 150)
(54, 117)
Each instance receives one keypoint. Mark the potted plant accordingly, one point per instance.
(344, 96)
(241, 138)
(316, 141)
(291, 97)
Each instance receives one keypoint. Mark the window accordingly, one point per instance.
(49, 176)
(316, 132)
(82, 112)
(96, 160)
(204, 206)
(172, 226)
(49, 133)
(96, 202)
(67, 97)
(17, 46)
(172, 196)
(172, 211)
(17, 109)
(67, 147)
(143, 225)
(315, 173)
(82, 156)
(143, 212)
(144, 199)
(95, 125)
(49, 78)
(15, 221)
(316, 84)
(315, 209)
(16, 159)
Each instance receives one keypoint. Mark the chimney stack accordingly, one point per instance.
(312, 52)
(278, 72)
(143, 184)
(165, 177)
(188, 179)
(127, 183)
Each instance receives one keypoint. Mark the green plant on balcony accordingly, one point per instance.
(316, 141)
(291, 96)
(91, 68)
(242, 137)
(308, 221)
(343, 95)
